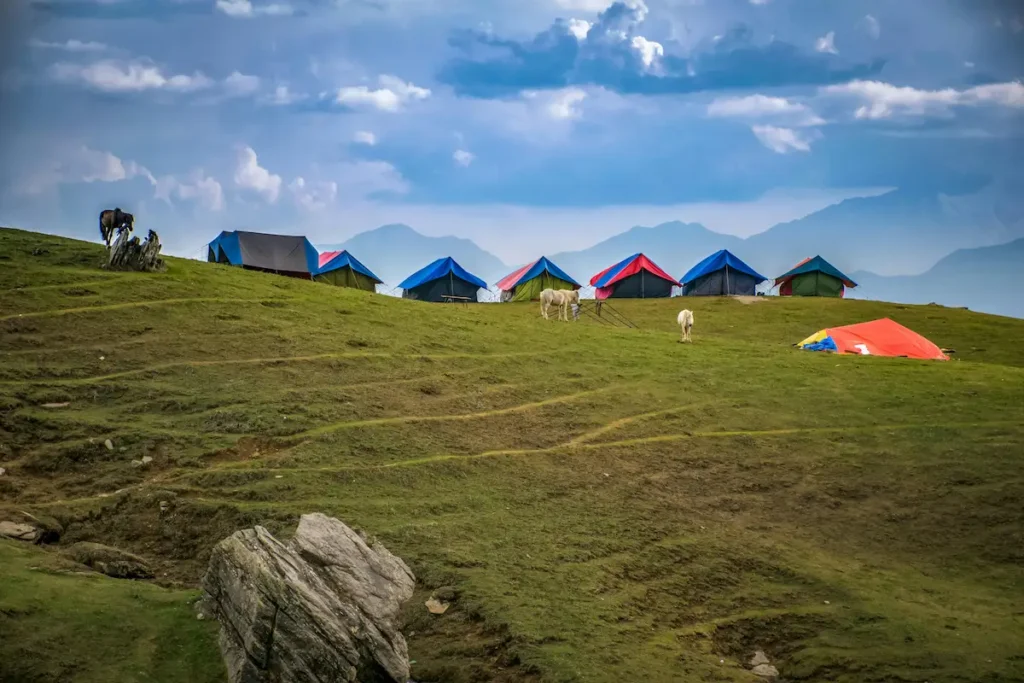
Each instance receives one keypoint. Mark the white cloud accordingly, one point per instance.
(827, 43)
(134, 76)
(283, 96)
(563, 104)
(884, 100)
(584, 5)
(364, 137)
(313, 196)
(392, 94)
(579, 28)
(871, 25)
(196, 186)
(244, 9)
(759, 2)
(762, 106)
(249, 175)
(71, 45)
(462, 157)
(782, 140)
(81, 165)
(648, 49)
(358, 179)
(240, 85)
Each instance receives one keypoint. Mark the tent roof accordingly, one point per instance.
(883, 337)
(811, 265)
(717, 261)
(333, 260)
(535, 269)
(287, 253)
(439, 269)
(630, 266)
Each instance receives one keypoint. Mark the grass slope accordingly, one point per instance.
(611, 505)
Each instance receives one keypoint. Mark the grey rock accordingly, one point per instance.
(19, 531)
(146, 459)
(759, 658)
(766, 671)
(110, 561)
(2, 471)
(323, 607)
(109, 444)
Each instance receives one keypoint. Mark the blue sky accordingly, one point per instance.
(513, 122)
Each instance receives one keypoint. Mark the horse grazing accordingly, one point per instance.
(685, 322)
(558, 297)
(113, 220)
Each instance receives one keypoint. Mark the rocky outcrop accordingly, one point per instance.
(110, 561)
(31, 529)
(322, 607)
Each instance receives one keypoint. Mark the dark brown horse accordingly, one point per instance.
(112, 220)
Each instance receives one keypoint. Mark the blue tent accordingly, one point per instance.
(721, 274)
(528, 282)
(291, 255)
(442, 278)
(334, 261)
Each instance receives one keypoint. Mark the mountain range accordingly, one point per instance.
(905, 245)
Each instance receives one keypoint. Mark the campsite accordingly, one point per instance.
(599, 503)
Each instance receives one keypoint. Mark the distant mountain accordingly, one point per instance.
(396, 251)
(985, 279)
(896, 233)
(674, 246)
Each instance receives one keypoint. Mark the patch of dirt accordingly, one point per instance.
(750, 299)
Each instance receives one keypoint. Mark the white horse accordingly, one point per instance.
(558, 297)
(685, 322)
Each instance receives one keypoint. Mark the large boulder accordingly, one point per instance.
(322, 607)
(110, 561)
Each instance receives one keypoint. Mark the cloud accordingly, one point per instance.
(244, 9)
(462, 157)
(782, 140)
(759, 2)
(364, 137)
(122, 77)
(579, 28)
(240, 85)
(196, 186)
(71, 45)
(827, 44)
(313, 196)
(563, 104)
(359, 179)
(871, 25)
(615, 55)
(81, 165)
(583, 5)
(762, 107)
(249, 175)
(283, 96)
(391, 96)
(884, 100)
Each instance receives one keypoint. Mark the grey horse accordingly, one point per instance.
(112, 220)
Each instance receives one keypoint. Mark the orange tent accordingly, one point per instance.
(883, 337)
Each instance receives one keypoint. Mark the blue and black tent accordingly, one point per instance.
(442, 279)
(721, 274)
(291, 255)
(344, 270)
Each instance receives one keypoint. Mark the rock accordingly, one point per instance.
(52, 406)
(146, 459)
(435, 606)
(110, 561)
(759, 658)
(765, 671)
(323, 607)
(164, 506)
(2, 471)
(109, 444)
(19, 531)
(136, 463)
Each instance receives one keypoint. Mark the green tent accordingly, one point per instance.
(341, 269)
(814, 277)
(528, 282)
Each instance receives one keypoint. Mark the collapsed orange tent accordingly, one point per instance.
(883, 337)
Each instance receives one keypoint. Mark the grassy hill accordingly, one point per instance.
(610, 504)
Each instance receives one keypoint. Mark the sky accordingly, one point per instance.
(515, 123)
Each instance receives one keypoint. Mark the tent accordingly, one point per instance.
(721, 274)
(636, 277)
(442, 277)
(813, 277)
(344, 270)
(528, 282)
(290, 255)
(882, 337)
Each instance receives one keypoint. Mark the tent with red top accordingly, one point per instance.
(636, 277)
(882, 337)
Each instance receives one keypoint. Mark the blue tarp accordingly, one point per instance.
(826, 344)
(718, 261)
(282, 253)
(539, 267)
(440, 268)
(342, 259)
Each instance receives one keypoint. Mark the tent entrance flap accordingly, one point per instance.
(531, 289)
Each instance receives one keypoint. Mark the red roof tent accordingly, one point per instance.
(630, 266)
(884, 337)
